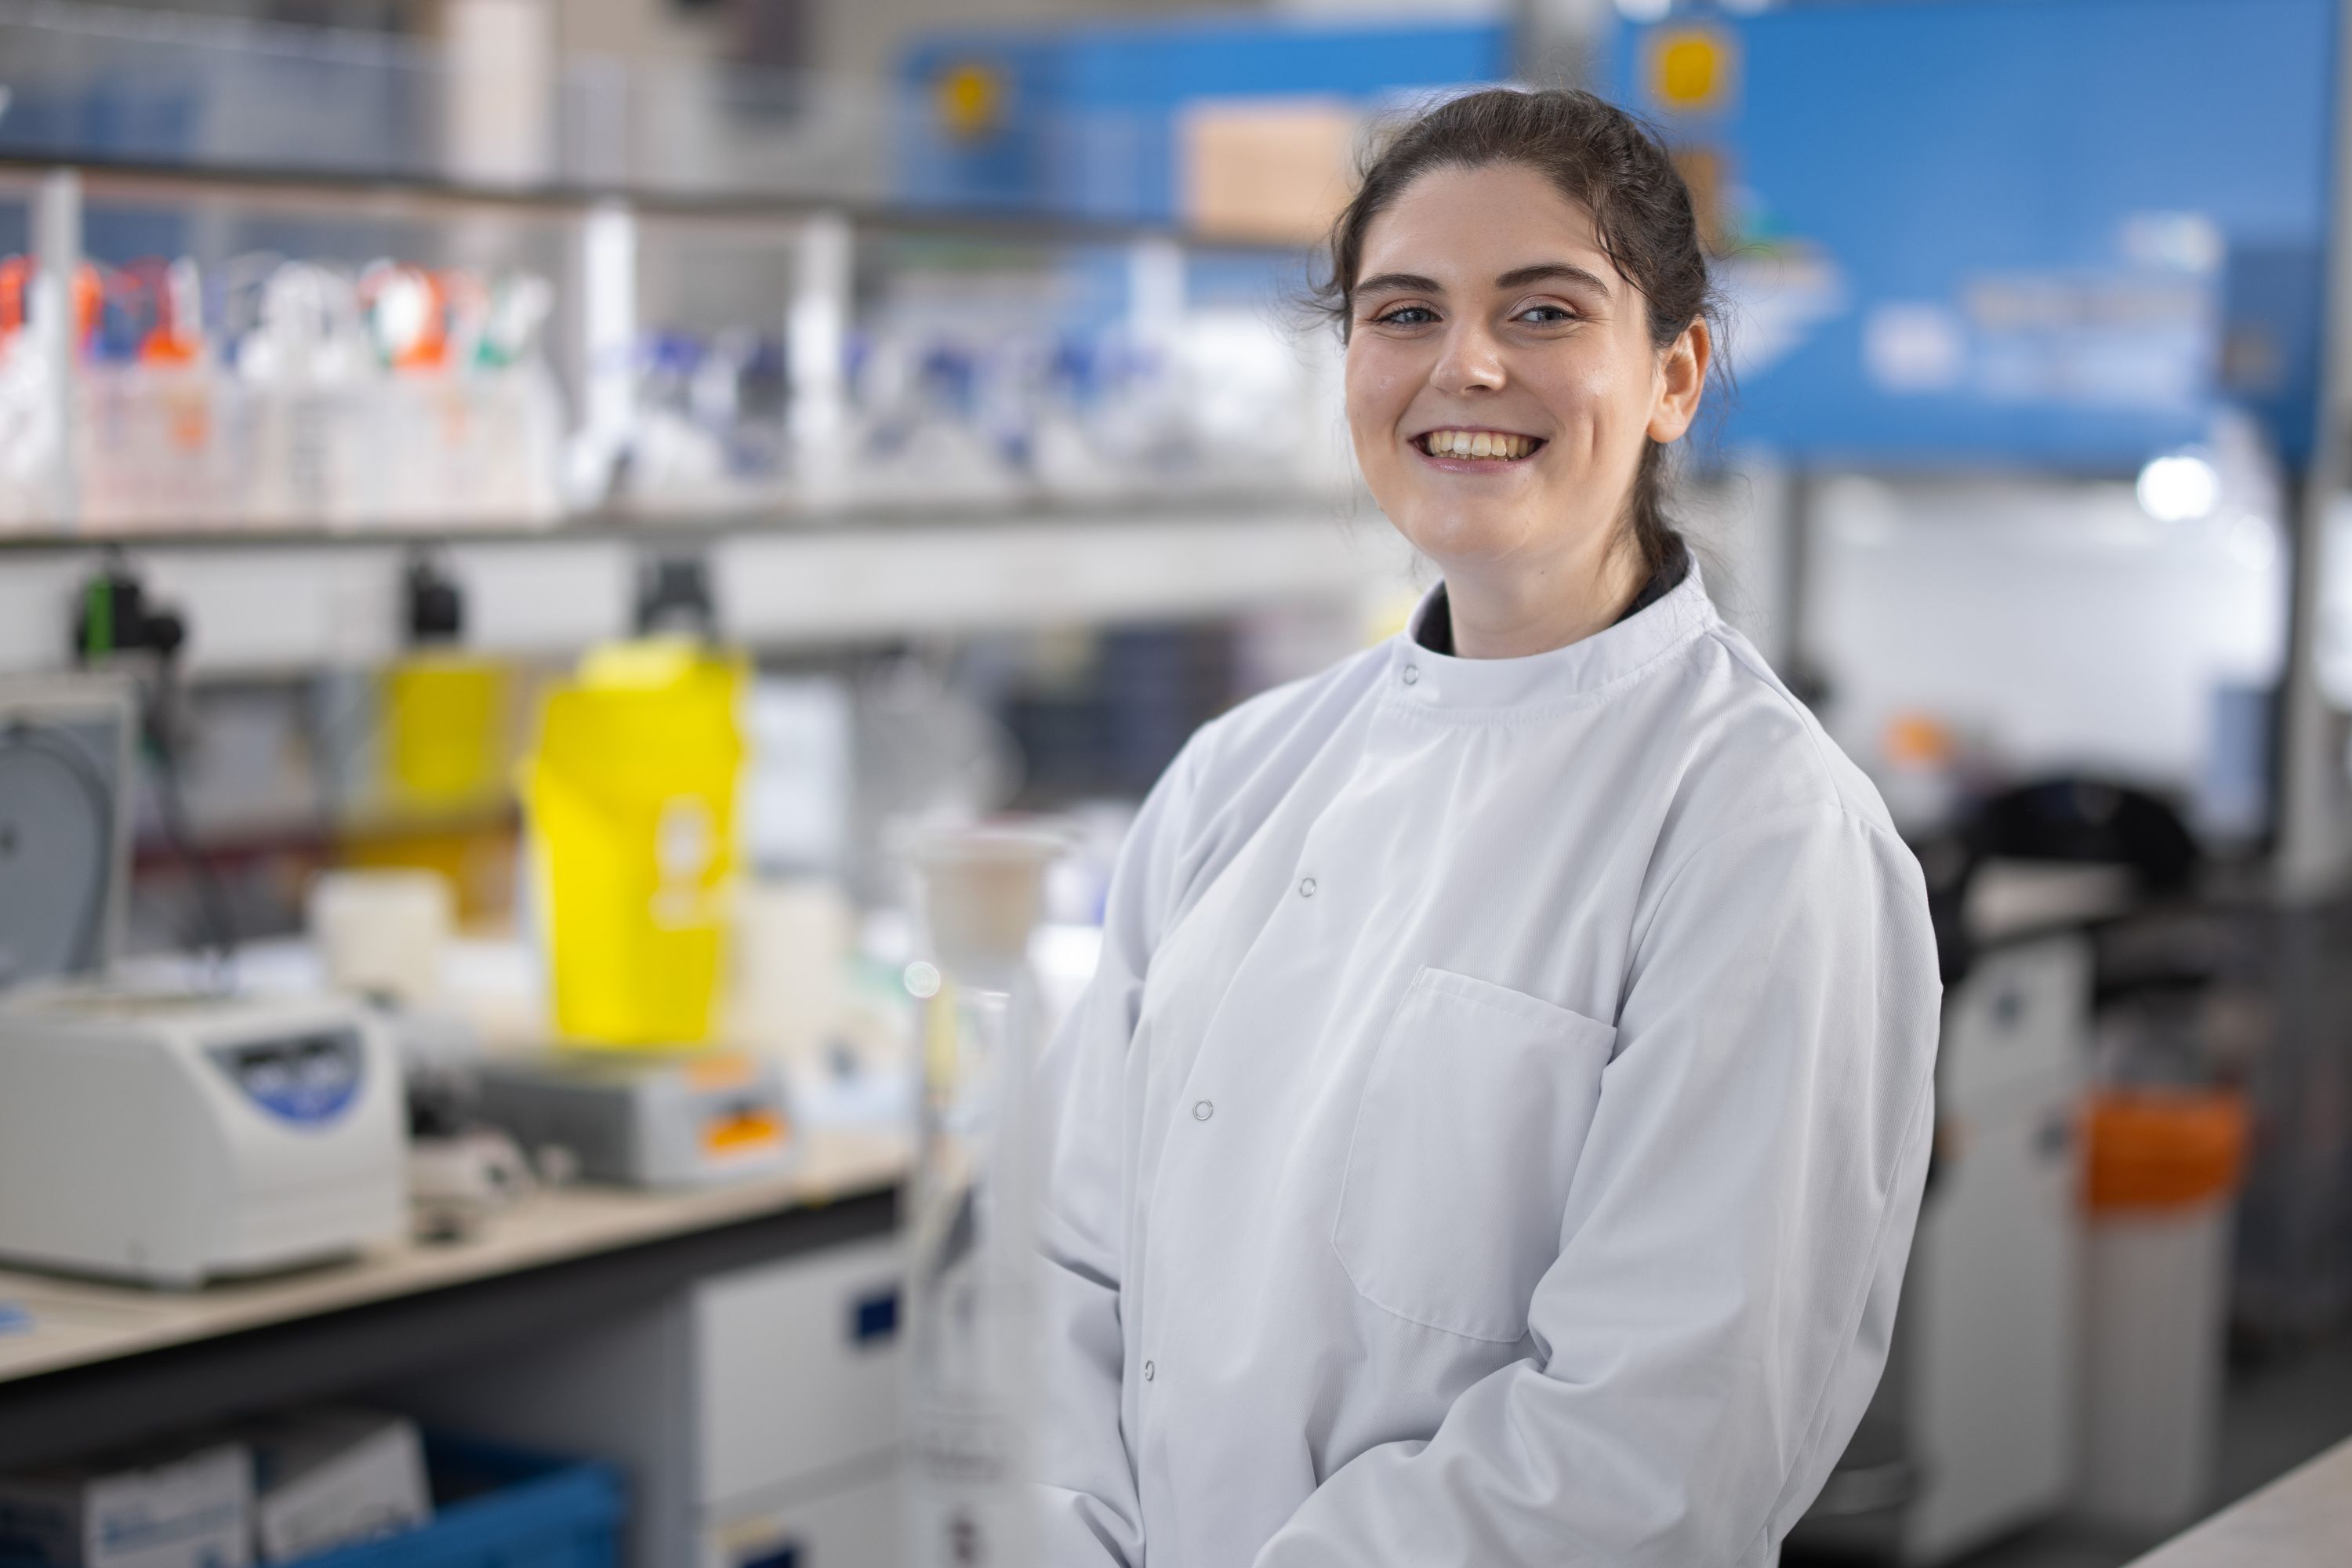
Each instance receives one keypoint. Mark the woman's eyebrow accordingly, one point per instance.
(1404, 282)
(1546, 271)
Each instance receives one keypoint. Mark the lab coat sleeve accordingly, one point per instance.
(1732, 1246)
(1090, 1515)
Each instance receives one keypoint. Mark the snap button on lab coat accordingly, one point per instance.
(1203, 1110)
(1148, 1370)
(1307, 887)
(1411, 673)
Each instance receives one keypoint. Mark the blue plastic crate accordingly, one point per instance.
(494, 1506)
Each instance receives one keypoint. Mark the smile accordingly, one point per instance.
(1491, 446)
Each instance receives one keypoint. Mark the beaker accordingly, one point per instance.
(972, 1220)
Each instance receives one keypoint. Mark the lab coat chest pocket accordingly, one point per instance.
(1473, 1113)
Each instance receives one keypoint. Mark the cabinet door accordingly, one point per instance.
(854, 1526)
(796, 1369)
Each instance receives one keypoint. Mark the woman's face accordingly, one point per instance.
(1501, 380)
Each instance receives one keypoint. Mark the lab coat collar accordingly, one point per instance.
(1488, 689)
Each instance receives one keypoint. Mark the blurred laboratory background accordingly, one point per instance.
(530, 528)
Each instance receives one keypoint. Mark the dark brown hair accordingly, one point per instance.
(1598, 156)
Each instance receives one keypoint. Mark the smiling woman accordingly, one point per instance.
(1495, 1131)
(1524, 266)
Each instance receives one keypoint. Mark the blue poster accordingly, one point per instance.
(2010, 233)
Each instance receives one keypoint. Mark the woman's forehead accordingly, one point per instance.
(1482, 222)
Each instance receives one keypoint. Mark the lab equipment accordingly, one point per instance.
(973, 1227)
(306, 394)
(1977, 1423)
(631, 798)
(649, 1120)
(382, 932)
(66, 789)
(173, 1137)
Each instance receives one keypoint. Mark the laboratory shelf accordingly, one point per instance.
(360, 193)
(265, 606)
(658, 527)
(290, 594)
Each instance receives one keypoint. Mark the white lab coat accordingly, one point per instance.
(1495, 1131)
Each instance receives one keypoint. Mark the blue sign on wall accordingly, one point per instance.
(1081, 121)
(2062, 233)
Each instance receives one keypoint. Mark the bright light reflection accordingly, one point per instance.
(2254, 542)
(1644, 10)
(2177, 488)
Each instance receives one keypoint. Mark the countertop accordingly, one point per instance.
(2303, 1520)
(67, 1323)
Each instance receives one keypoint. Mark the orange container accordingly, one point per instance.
(2164, 1149)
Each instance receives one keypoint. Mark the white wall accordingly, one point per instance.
(2055, 623)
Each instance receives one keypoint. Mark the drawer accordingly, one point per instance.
(796, 1368)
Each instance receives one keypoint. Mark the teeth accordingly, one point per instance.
(1477, 444)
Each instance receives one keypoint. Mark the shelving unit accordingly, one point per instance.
(821, 563)
(276, 605)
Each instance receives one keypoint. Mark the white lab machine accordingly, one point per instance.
(1991, 1301)
(645, 1119)
(171, 1138)
(166, 1137)
(1972, 1433)
(66, 789)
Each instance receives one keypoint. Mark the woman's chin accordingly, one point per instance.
(1464, 536)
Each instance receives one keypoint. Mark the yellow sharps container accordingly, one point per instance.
(631, 795)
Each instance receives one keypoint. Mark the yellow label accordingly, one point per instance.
(970, 99)
(742, 1132)
(1691, 69)
(943, 1040)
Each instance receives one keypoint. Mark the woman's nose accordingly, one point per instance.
(1471, 361)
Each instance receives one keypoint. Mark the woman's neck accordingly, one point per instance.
(1513, 609)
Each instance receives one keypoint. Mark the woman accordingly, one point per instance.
(1495, 1132)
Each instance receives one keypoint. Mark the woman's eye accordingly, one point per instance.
(1406, 316)
(1547, 315)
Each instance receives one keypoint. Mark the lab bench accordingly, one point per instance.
(2302, 1519)
(733, 1349)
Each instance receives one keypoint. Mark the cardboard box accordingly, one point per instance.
(156, 1508)
(1267, 170)
(334, 1477)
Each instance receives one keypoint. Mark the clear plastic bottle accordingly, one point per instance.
(972, 1359)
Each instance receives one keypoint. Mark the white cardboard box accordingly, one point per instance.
(334, 1477)
(163, 1510)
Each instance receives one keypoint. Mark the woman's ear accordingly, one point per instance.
(1682, 378)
